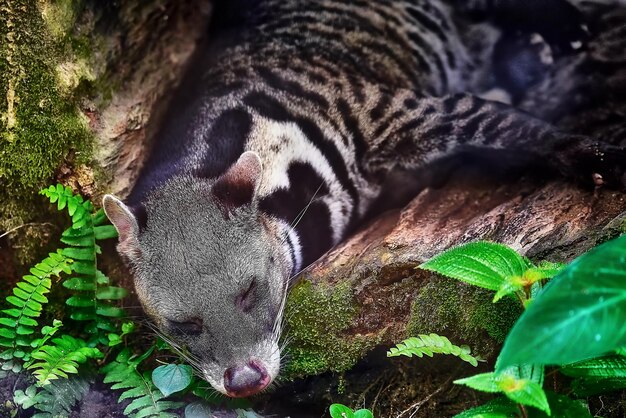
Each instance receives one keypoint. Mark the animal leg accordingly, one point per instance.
(424, 129)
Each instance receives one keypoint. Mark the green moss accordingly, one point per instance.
(40, 125)
(59, 15)
(463, 313)
(316, 320)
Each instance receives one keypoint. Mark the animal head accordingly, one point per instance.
(209, 269)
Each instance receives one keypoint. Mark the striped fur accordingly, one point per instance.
(313, 87)
(323, 100)
(307, 85)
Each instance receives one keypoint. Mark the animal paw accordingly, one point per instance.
(594, 163)
(559, 22)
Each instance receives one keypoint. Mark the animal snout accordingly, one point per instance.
(246, 380)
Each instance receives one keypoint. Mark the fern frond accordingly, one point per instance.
(429, 345)
(18, 323)
(61, 358)
(79, 209)
(93, 293)
(56, 399)
(147, 400)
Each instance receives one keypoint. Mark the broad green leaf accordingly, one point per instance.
(520, 390)
(581, 314)
(483, 264)
(545, 270)
(338, 410)
(171, 378)
(603, 367)
(508, 287)
(525, 392)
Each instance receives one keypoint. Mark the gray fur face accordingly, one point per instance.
(212, 278)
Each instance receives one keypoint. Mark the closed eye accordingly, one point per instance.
(246, 299)
(191, 326)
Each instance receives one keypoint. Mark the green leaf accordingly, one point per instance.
(497, 408)
(84, 268)
(79, 283)
(429, 344)
(603, 367)
(338, 410)
(580, 314)
(111, 293)
(110, 311)
(363, 413)
(171, 378)
(484, 382)
(525, 392)
(586, 386)
(520, 390)
(147, 399)
(80, 301)
(482, 264)
(83, 316)
(198, 410)
(562, 406)
(84, 254)
(9, 322)
(63, 357)
(105, 232)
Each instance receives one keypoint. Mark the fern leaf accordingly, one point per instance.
(91, 289)
(56, 361)
(79, 209)
(56, 399)
(429, 345)
(18, 323)
(147, 400)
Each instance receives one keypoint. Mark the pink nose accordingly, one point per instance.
(246, 380)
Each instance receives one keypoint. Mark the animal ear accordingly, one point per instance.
(126, 224)
(238, 186)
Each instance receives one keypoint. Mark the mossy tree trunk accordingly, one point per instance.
(80, 82)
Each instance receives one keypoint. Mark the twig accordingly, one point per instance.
(380, 391)
(10, 231)
(416, 406)
(368, 388)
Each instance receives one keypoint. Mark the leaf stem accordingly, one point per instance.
(523, 410)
